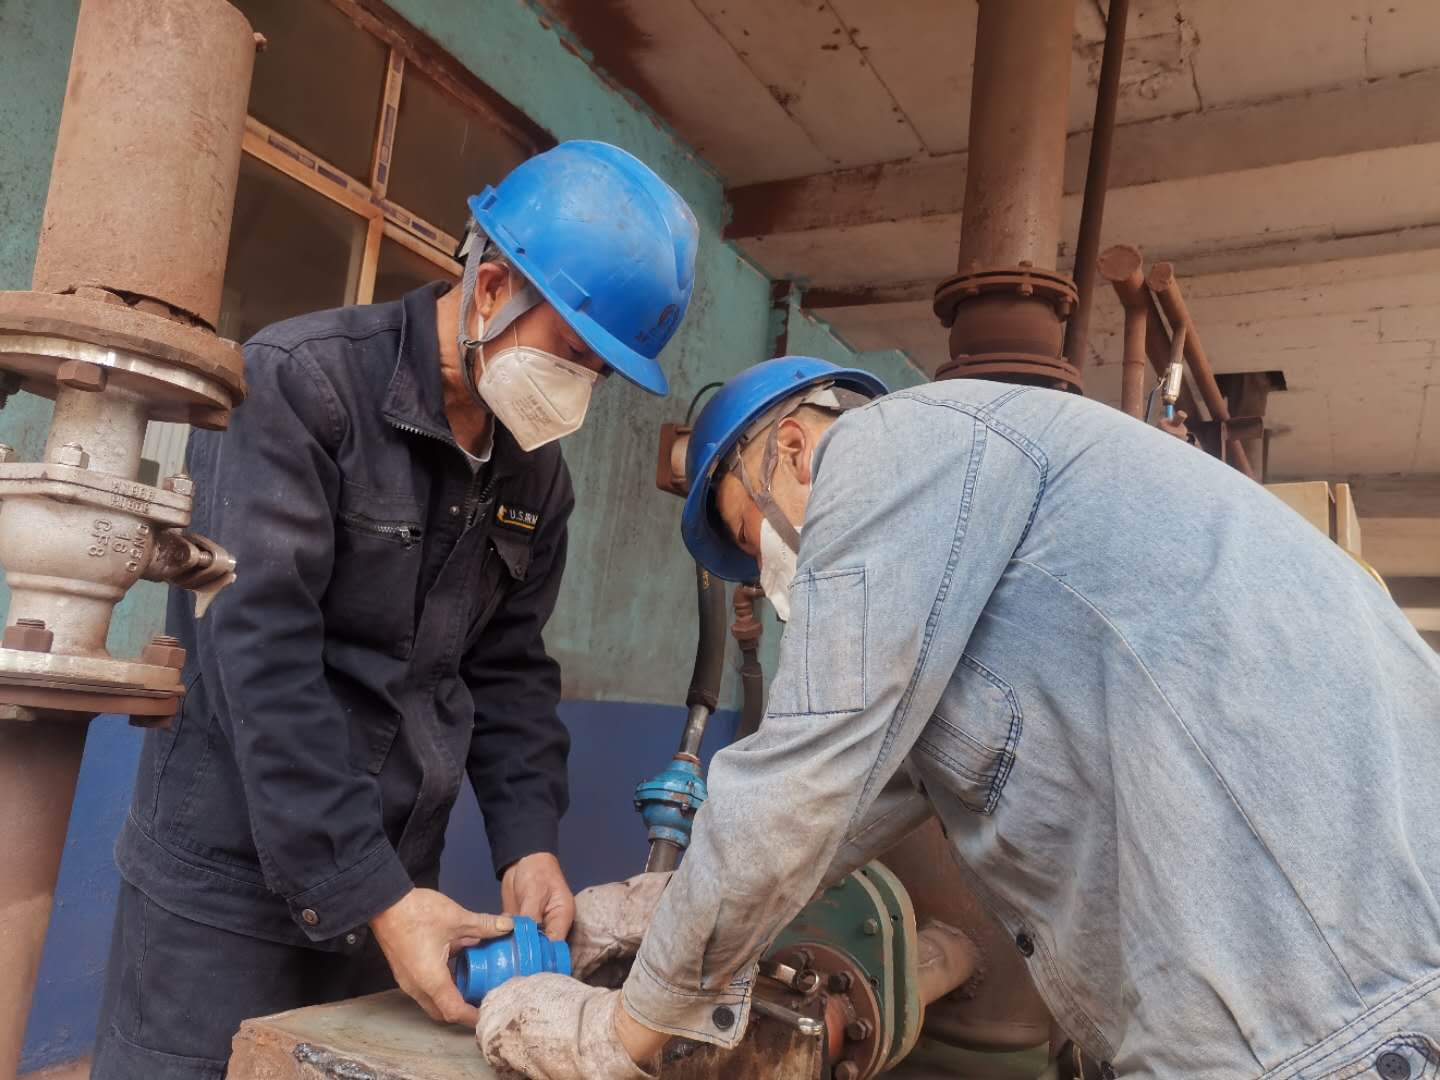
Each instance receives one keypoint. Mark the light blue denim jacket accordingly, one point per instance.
(1188, 752)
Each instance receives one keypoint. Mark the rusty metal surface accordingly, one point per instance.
(89, 320)
(39, 763)
(1016, 164)
(998, 1009)
(1097, 179)
(1124, 267)
(141, 196)
(1166, 288)
(1007, 305)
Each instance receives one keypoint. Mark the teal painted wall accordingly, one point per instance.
(624, 630)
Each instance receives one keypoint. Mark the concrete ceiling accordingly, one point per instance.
(1284, 154)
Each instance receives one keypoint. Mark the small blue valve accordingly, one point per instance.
(526, 951)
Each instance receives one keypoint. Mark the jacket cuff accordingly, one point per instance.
(512, 840)
(712, 1016)
(352, 897)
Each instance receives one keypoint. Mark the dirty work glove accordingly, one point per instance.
(550, 1027)
(610, 921)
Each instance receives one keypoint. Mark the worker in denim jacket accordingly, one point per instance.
(1185, 748)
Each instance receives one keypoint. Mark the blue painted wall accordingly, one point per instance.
(624, 628)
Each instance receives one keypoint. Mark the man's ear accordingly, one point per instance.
(490, 282)
(793, 443)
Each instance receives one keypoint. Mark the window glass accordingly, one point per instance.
(401, 270)
(319, 81)
(443, 153)
(291, 251)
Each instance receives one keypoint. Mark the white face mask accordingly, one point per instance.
(538, 396)
(777, 569)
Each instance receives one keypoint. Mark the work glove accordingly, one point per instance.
(551, 1027)
(610, 921)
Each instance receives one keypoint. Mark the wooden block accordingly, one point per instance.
(387, 1037)
(1347, 522)
(383, 1036)
(1310, 499)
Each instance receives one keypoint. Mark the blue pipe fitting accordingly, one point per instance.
(526, 951)
(669, 800)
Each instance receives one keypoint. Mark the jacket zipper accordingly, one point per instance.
(402, 531)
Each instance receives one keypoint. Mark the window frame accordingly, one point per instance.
(407, 48)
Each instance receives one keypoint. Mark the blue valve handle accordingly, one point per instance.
(526, 951)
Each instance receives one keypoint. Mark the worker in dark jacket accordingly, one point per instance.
(397, 503)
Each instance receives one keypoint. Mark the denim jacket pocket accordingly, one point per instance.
(973, 734)
(828, 613)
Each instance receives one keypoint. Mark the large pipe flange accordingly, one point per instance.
(184, 374)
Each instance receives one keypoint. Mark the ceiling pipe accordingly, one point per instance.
(1007, 304)
(1097, 182)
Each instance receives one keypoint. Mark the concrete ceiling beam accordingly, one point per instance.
(1380, 114)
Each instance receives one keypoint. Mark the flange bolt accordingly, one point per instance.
(28, 635)
(858, 1030)
(72, 454)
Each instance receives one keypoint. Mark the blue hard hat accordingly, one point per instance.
(609, 244)
(725, 419)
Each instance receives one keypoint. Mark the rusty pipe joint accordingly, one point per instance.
(1008, 323)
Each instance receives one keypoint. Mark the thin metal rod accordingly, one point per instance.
(1097, 182)
(1123, 266)
(1167, 291)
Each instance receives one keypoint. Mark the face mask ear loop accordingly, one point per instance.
(522, 298)
(762, 497)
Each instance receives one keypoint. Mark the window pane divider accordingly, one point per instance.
(385, 130)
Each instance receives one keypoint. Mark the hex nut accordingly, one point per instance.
(180, 484)
(846, 1070)
(838, 982)
(858, 1030)
(72, 454)
(28, 635)
(164, 654)
(81, 375)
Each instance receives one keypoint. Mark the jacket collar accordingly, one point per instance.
(415, 398)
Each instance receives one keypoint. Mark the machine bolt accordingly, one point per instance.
(838, 983)
(859, 1030)
(180, 484)
(871, 927)
(28, 635)
(846, 1070)
(7, 454)
(73, 454)
(80, 375)
(164, 651)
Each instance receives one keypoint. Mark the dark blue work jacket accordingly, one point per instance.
(383, 638)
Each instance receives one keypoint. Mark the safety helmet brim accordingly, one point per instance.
(644, 371)
(720, 427)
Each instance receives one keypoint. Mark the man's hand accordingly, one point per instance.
(550, 1027)
(536, 887)
(610, 921)
(419, 934)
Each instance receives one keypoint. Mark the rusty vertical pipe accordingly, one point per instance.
(1007, 303)
(146, 161)
(1123, 266)
(1015, 168)
(1097, 182)
(1167, 291)
(39, 763)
